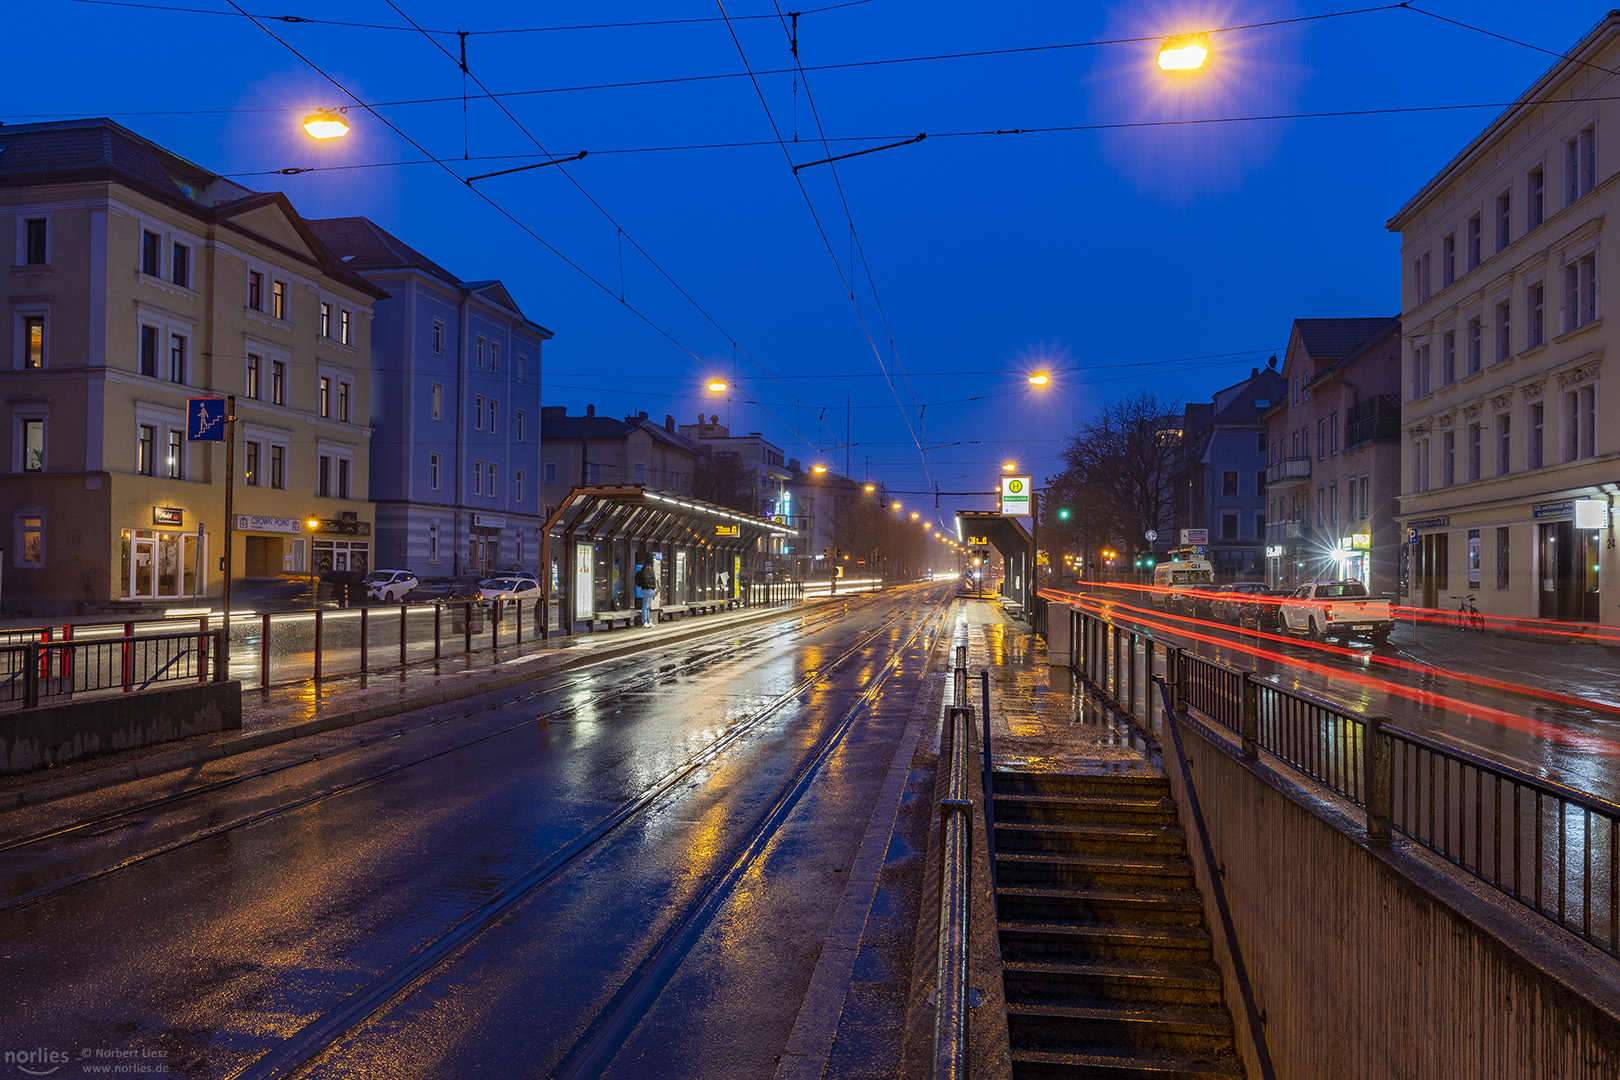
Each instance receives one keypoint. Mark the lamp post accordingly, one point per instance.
(314, 524)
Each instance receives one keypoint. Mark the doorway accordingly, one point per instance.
(1568, 580)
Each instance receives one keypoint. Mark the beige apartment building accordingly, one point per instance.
(141, 280)
(1511, 452)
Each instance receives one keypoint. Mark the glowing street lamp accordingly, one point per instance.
(914, 515)
(1184, 52)
(718, 386)
(1008, 466)
(818, 469)
(1040, 378)
(871, 487)
(894, 506)
(326, 124)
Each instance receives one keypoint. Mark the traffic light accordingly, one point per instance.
(1063, 513)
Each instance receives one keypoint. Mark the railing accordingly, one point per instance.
(34, 672)
(1288, 470)
(1552, 848)
(955, 896)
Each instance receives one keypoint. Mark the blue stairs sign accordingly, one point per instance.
(205, 419)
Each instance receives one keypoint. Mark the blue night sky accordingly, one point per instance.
(1172, 258)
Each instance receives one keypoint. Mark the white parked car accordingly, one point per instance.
(508, 575)
(389, 585)
(509, 588)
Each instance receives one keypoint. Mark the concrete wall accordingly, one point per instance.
(52, 734)
(1377, 960)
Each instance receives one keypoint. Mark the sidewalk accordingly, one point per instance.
(294, 710)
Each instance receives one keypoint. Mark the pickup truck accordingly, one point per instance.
(1325, 609)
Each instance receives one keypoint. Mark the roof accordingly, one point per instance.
(1330, 339)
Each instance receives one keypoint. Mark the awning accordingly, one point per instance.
(1007, 535)
(632, 512)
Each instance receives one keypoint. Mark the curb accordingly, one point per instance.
(113, 775)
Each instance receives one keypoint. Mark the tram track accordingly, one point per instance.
(102, 824)
(606, 1032)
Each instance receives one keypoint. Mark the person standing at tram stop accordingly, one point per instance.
(646, 585)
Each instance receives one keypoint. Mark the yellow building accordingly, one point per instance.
(142, 281)
(1509, 468)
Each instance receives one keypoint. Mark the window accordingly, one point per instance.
(1366, 481)
(479, 350)
(494, 416)
(1504, 332)
(478, 413)
(1473, 443)
(434, 461)
(520, 425)
(1448, 458)
(1420, 465)
(250, 463)
(1580, 164)
(343, 326)
(1229, 526)
(1504, 444)
(172, 459)
(149, 350)
(146, 451)
(1321, 506)
(345, 389)
(278, 383)
(1448, 359)
(33, 330)
(30, 539)
(436, 402)
(1475, 245)
(492, 488)
(478, 478)
(1448, 260)
(1475, 359)
(33, 444)
(1533, 455)
(1580, 292)
(177, 358)
(1535, 298)
(1333, 433)
(343, 465)
(1420, 371)
(596, 472)
(495, 356)
(251, 384)
(1504, 219)
(255, 298)
(36, 236)
(323, 475)
(151, 253)
(1580, 423)
(639, 474)
(517, 484)
(180, 266)
(433, 543)
(1501, 557)
(438, 339)
(1333, 506)
(326, 320)
(1536, 212)
(550, 472)
(1260, 482)
(326, 395)
(1321, 439)
(278, 466)
(1420, 278)
(523, 370)
(1229, 483)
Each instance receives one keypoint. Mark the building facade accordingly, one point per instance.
(141, 280)
(591, 450)
(1510, 451)
(455, 412)
(1333, 466)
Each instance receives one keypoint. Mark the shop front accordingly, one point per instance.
(1569, 558)
(166, 561)
(338, 544)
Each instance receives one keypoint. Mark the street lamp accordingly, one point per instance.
(818, 469)
(1184, 52)
(326, 124)
(718, 386)
(1040, 378)
(314, 524)
(1008, 466)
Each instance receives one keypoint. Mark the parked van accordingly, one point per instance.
(1176, 578)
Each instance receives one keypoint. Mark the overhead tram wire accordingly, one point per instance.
(810, 204)
(611, 220)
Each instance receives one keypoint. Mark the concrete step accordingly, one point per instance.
(1118, 870)
(1090, 838)
(1093, 982)
(1056, 903)
(1187, 946)
(1123, 785)
(1198, 1033)
(1050, 1065)
(1058, 807)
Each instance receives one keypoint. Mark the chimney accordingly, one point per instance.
(715, 419)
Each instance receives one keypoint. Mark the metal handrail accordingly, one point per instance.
(955, 898)
(90, 665)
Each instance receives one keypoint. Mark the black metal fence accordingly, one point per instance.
(40, 671)
(1549, 846)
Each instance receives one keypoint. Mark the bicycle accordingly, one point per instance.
(1468, 616)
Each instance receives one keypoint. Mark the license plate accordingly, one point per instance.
(1363, 626)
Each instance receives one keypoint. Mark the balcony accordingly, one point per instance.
(1376, 420)
(1288, 471)
(1288, 530)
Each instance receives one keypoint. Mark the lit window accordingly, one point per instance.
(278, 299)
(33, 444)
(177, 358)
(437, 402)
(33, 327)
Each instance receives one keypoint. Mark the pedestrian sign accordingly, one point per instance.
(205, 419)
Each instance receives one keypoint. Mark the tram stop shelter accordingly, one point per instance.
(1007, 534)
(596, 539)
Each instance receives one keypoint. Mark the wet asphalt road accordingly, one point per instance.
(203, 935)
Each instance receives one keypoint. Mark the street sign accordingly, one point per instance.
(205, 419)
(1151, 535)
(1411, 536)
(1015, 500)
(1194, 537)
(860, 562)
(725, 530)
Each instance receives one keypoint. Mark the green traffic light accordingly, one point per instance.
(1063, 514)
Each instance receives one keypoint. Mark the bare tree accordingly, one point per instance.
(1120, 467)
(727, 481)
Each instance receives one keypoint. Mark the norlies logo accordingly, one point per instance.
(36, 1062)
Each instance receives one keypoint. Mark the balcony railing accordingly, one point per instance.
(1378, 419)
(1288, 530)
(1288, 471)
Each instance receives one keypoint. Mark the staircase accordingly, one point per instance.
(1106, 962)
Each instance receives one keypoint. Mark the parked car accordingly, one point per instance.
(1262, 610)
(443, 592)
(282, 592)
(512, 588)
(1225, 602)
(390, 585)
(1324, 609)
(509, 575)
